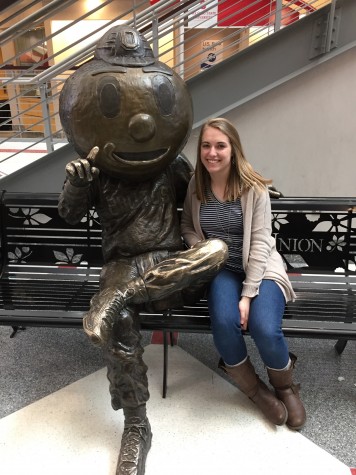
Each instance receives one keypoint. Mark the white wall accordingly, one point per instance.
(302, 134)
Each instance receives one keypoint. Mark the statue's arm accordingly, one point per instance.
(182, 173)
(74, 202)
(77, 196)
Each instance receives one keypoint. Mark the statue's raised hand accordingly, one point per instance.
(82, 171)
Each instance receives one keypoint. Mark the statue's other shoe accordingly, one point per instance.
(135, 444)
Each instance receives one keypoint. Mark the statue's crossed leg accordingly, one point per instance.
(113, 323)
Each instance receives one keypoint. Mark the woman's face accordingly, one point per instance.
(215, 151)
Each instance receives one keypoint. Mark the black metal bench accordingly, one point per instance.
(50, 270)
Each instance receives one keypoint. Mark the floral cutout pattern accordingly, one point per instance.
(332, 223)
(30, 216)
(336, 244)
(69, 257)
(305, 239)
(93, 218)
(278, 219)
(19, 255)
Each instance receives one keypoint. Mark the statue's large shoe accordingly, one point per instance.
(98, 322)
(135, 445)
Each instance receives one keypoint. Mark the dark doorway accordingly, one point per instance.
(5, 116)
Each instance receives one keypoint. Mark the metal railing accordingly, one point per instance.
(189, 35)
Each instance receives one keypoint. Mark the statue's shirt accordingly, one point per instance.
(136, 217)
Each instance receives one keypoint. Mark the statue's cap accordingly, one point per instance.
(124, 46)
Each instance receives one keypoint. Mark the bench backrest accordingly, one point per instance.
(33, 234)
(312, 234)
(316, 234)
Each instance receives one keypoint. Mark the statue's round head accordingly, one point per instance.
(137, 110)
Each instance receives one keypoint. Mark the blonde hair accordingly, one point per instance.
(242, 176)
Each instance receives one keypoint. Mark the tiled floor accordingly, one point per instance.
(204, 426)
(56, 415)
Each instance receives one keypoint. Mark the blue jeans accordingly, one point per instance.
(264, 324)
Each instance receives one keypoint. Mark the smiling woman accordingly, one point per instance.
(227, 199)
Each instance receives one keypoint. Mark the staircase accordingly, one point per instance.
(275, 42)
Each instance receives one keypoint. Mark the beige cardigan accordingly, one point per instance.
(260, 257)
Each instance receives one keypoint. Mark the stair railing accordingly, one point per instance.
(32, 93)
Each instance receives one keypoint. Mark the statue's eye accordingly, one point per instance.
(164, 94)
(109, 96)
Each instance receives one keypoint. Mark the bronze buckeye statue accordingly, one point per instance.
(128, 117)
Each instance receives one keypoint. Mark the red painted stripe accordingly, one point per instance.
(353, 471)
(64, 266)
(9, 150)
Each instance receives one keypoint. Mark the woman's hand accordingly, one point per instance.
(244, 307)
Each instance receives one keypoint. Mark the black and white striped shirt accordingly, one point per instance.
(223, 220)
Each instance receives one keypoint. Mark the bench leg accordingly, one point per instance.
(340, 345)
(15, 329)
(165, 363)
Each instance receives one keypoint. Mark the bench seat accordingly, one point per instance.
(50, 270)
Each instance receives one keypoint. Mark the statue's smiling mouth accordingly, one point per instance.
(142, 156)
(134, 157)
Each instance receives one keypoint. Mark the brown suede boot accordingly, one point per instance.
(249, 383)
(288, 393)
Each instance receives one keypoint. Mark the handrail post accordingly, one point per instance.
(331, 21)
(278, 15)
(155, 45)
(46, 117)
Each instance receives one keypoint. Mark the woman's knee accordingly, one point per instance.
(268, 339)
(225, 326)
(264, 330)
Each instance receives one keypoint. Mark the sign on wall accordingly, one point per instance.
(205, 17)
(212, 53)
